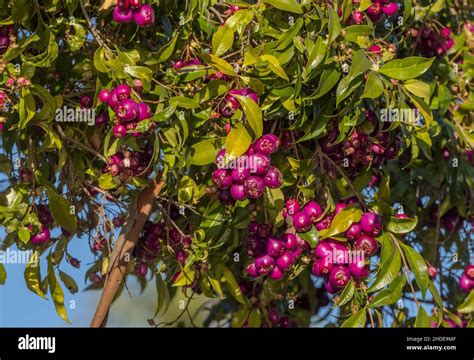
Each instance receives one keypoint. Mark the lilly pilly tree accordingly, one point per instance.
(289, 160)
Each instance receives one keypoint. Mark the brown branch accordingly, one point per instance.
(121, 255)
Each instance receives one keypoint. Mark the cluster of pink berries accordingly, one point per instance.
(247, 176)
(128, 113)
(271, 255)
(375, 12)
(430, 42)
(466, 282)
(231, 104)
(127, 11)
(129, 163)
(359, 149)
(149, 245)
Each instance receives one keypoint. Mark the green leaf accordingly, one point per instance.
(390, 264)
(56, 292)
(329, 78)
(231, 284)
(32, 274)
(218, 64)
(356, 320)
(342, 221)
(139, 72)
(183, 102)
(185, 278)
(418, 267)
(69, 282)
(222, 40)
(203, 153)
(76, 40)
(334, 25)
(374, 86)
(347, 294)
(254, 320)
(310, 236)
(253, 113)
(391, 295)
(274, 65)
(407, 68)
(3, 274)
(163, 54)
(289, 35)
(238, 141)
(352, 33)
(27, 107)
(418, 88)
(317, 55)
(286, 5)
(401, 226)
(61, 210)
(468, 305)
(107, 182)
(422, 319)
(24, 234)
(239, 20)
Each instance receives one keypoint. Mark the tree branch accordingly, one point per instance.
(121, 255)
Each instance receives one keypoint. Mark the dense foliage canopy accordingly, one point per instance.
(315, 159)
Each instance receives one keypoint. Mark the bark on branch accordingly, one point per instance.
(122, 253)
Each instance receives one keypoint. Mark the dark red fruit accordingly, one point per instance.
(302, 222)
(339, 277)
(367, 244)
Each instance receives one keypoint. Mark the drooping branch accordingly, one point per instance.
(138, 214)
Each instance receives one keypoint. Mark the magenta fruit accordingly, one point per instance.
(119, 130)
(357, 17)
(104, 95)
(254, 186)
(371, 223)
(273, 178)
(322, 267)
(329, 288)
(432, 271)
(290, 241)
(469, 272)
(267, 144)
(276, 274)
(359, 269)
(102, 118)
(339, 277)
(275, 247)
(251, 270)
(122, 15)
(313, 210)
(465, 283)
(339, 207)
(264, 230)
(238, 192)
(144, 112)
(264, 264)
(253, 227)
(86, 101)
(353, 232)
(222, 178)
(259, 163)
(42, 237)
(240, 174)
(375, 49)
(274, 317)
(302, 222)
(127, 110)
(292, 206)
(390, 9)
(323, 249)
(285, 261)
(367, 244)
(144, 16)
(122, 92)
